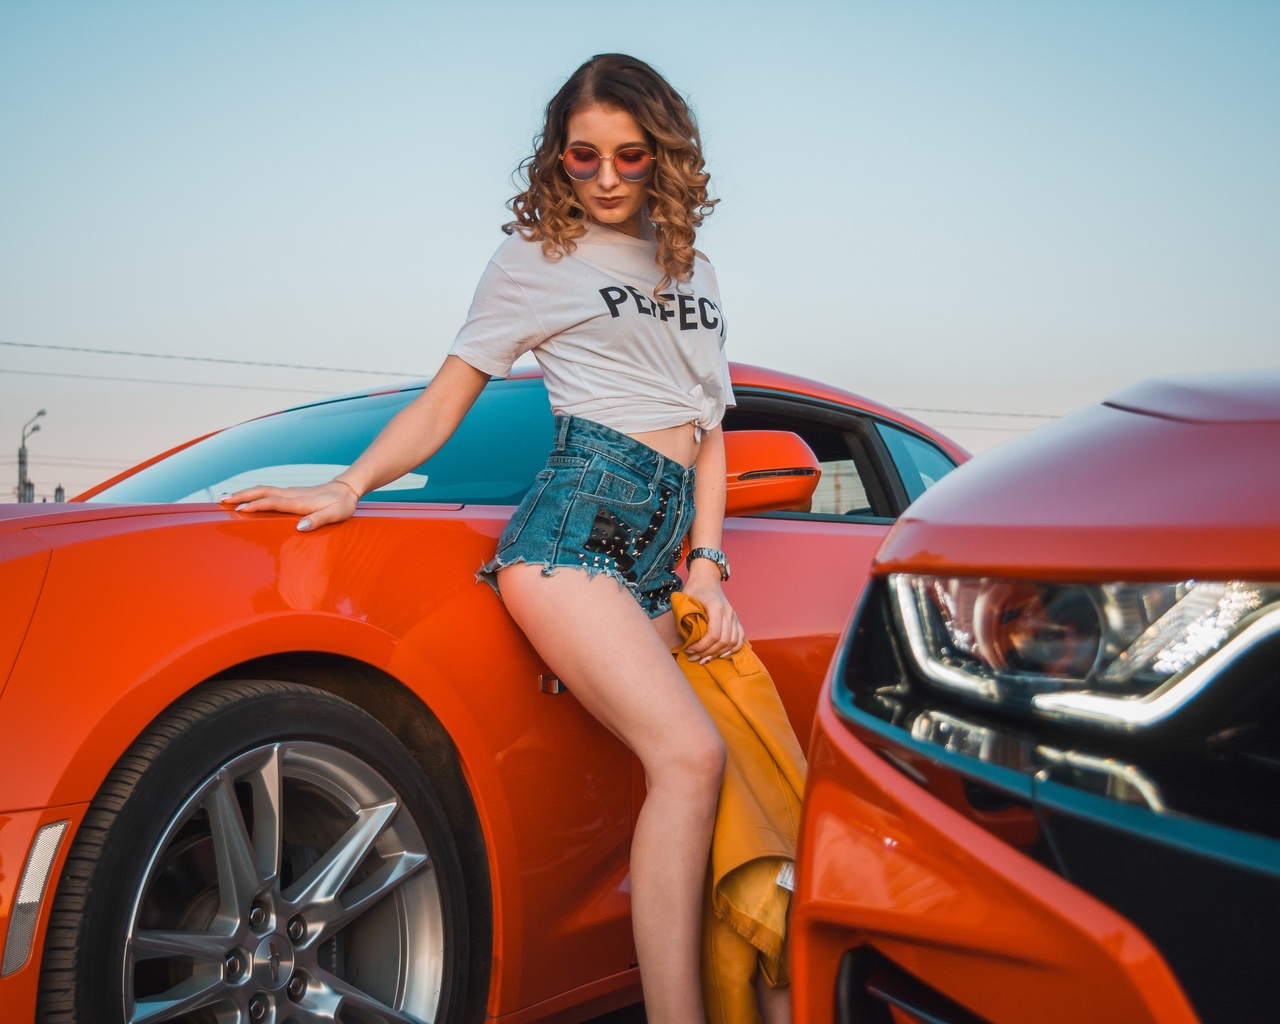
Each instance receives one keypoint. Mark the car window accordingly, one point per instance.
(919, 463)
(492, 458)
(850, 484)
(304, 475)
(840, 492)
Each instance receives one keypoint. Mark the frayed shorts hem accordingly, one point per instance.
(488, 573)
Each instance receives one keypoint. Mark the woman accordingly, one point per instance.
(600, 280)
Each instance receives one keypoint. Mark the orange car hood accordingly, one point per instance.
(1168, 480)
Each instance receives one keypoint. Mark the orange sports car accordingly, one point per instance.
(1044, 780)
(248, 774)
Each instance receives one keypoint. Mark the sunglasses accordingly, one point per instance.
(582, 163)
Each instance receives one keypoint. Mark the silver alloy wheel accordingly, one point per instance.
(291, 885)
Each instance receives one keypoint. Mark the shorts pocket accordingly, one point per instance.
(617, 491)
(626, 535)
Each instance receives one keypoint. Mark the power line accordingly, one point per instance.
(179, 383)
(971, 426)
(377, 373)
(71, 460)
(975, 412)
(202, 359)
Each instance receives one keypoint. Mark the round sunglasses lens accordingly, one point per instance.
(581, 164)
(633, 164)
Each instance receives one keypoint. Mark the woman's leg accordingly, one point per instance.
(596, 638)
(775, 1003)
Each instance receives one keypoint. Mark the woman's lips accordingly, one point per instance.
(609, 201)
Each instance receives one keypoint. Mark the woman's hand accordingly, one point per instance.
(414, 434)
(725, 634)
(318, 505)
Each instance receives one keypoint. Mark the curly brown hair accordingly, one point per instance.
(677, 197)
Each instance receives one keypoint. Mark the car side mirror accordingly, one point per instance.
(768, 471)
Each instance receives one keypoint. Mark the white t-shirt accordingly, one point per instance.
(608, 351)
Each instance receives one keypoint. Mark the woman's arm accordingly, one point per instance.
(724, 631)
(414, 434)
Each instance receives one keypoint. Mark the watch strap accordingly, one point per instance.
(714, 555)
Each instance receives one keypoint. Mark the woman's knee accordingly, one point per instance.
(697, 762)
(717, 755)
(711, 758)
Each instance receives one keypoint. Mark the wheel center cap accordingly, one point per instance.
(273, 961)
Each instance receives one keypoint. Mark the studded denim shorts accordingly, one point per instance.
(604, 503)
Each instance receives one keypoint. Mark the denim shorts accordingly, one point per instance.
(604, 503)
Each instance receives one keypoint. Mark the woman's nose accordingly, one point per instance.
(608, 174)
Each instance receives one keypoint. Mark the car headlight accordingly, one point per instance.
(1122, 654)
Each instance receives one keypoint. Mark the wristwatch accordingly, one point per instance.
(715, 555)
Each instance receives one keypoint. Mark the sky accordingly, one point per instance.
(985, 213)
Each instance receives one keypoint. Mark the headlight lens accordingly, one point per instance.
(1103, 651)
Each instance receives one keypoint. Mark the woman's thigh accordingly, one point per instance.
(597, 639)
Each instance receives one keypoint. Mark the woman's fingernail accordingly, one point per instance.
(705, 660)
(304, 524)
(224, 496)
(242, 506)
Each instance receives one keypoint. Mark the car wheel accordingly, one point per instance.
(263, 852)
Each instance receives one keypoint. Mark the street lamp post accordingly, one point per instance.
(26, 489)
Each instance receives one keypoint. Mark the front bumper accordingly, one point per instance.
(975, 867)
(889, 872)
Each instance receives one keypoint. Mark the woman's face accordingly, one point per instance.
(607, 198)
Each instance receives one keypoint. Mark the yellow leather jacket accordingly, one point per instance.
(745, 912)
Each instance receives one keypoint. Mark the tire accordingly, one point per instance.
(263, 852)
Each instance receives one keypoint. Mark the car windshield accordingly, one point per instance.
(491, 458)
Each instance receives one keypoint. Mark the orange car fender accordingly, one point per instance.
(67, 764)
(107, 663)
(93, 735)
